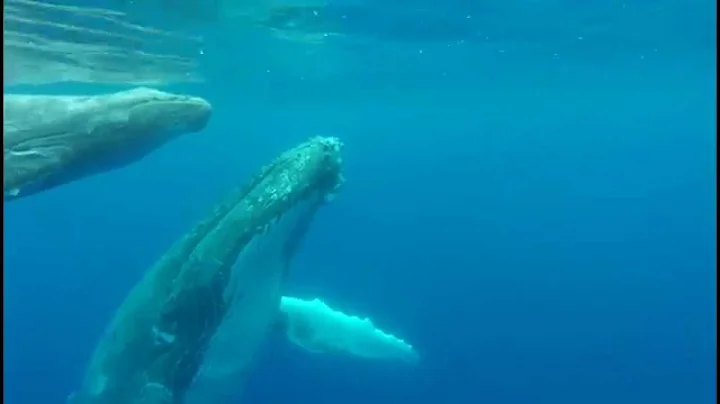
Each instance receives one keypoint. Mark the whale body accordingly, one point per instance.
(51, 140)
(189, 330)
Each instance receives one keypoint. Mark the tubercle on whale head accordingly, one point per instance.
(333, 147)
(317, 160)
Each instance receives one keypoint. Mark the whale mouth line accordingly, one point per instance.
(180, 100)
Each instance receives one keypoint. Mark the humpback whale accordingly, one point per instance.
(189, 330)
(51, 140)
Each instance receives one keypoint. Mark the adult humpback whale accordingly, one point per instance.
(188, 331)
(50, 140)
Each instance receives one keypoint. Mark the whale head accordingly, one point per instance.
(52, 140)
(151, 111)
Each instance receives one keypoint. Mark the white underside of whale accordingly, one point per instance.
(253, 293)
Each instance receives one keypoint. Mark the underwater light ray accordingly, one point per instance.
(47, 43)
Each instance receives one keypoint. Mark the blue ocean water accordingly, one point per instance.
(533, 210)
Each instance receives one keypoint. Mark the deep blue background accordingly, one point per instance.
(542, 233)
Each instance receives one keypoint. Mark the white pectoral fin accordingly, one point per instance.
(298, 332)
(317, 328)
(304, 340)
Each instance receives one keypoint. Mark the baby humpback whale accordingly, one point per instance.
(189, 330)
(51, 140)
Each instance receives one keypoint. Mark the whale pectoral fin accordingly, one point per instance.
(304, 335)
(31, 167)
(154, 393)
